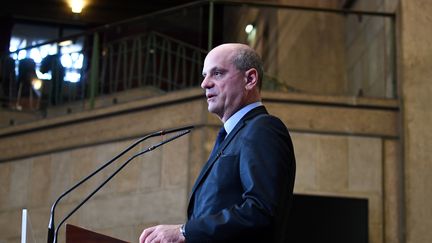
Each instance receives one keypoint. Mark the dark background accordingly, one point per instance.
(97, 12)
(328, 219)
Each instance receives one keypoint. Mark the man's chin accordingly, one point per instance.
(212, 109)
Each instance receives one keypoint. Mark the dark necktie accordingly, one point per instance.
(220, 137)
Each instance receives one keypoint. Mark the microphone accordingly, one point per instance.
(53, 231)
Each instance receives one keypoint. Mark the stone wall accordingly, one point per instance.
(416, 94)
(49, 157)
(350, 147)
(343, 146)
(152, 189)
(370, 47)
(321, 52)
(303, 50)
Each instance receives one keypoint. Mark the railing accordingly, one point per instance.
(153, 59)
(150, 59)
(308, 50)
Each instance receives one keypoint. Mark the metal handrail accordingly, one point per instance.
(158, 60)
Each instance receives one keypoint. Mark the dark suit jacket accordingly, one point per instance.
(244, 192)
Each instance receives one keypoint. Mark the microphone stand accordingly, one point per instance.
(53, 231)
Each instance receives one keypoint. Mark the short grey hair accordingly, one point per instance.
(246, 58)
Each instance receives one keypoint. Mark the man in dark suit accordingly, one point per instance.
(244, 191)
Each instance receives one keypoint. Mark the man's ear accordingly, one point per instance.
(251, 79)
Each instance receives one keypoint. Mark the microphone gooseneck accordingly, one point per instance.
(53, 231)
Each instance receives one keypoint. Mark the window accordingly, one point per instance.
(71, 57)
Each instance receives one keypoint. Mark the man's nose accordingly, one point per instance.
(206, 83)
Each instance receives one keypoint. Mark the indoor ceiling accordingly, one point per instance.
(96, 12)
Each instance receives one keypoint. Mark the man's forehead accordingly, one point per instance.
(230, 47)
(221, 53)
(220, 59)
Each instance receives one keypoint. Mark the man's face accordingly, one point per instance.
(223, 83)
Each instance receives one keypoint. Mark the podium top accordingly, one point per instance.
(76, 234)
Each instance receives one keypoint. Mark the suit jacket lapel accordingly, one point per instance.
(226, 142)
(213, 159)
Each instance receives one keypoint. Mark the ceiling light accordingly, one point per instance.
(76, 5)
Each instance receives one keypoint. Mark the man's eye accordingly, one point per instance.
(217, 73)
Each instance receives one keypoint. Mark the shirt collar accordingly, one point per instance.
(234, 119)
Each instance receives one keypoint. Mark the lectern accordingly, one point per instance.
(75, 234)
